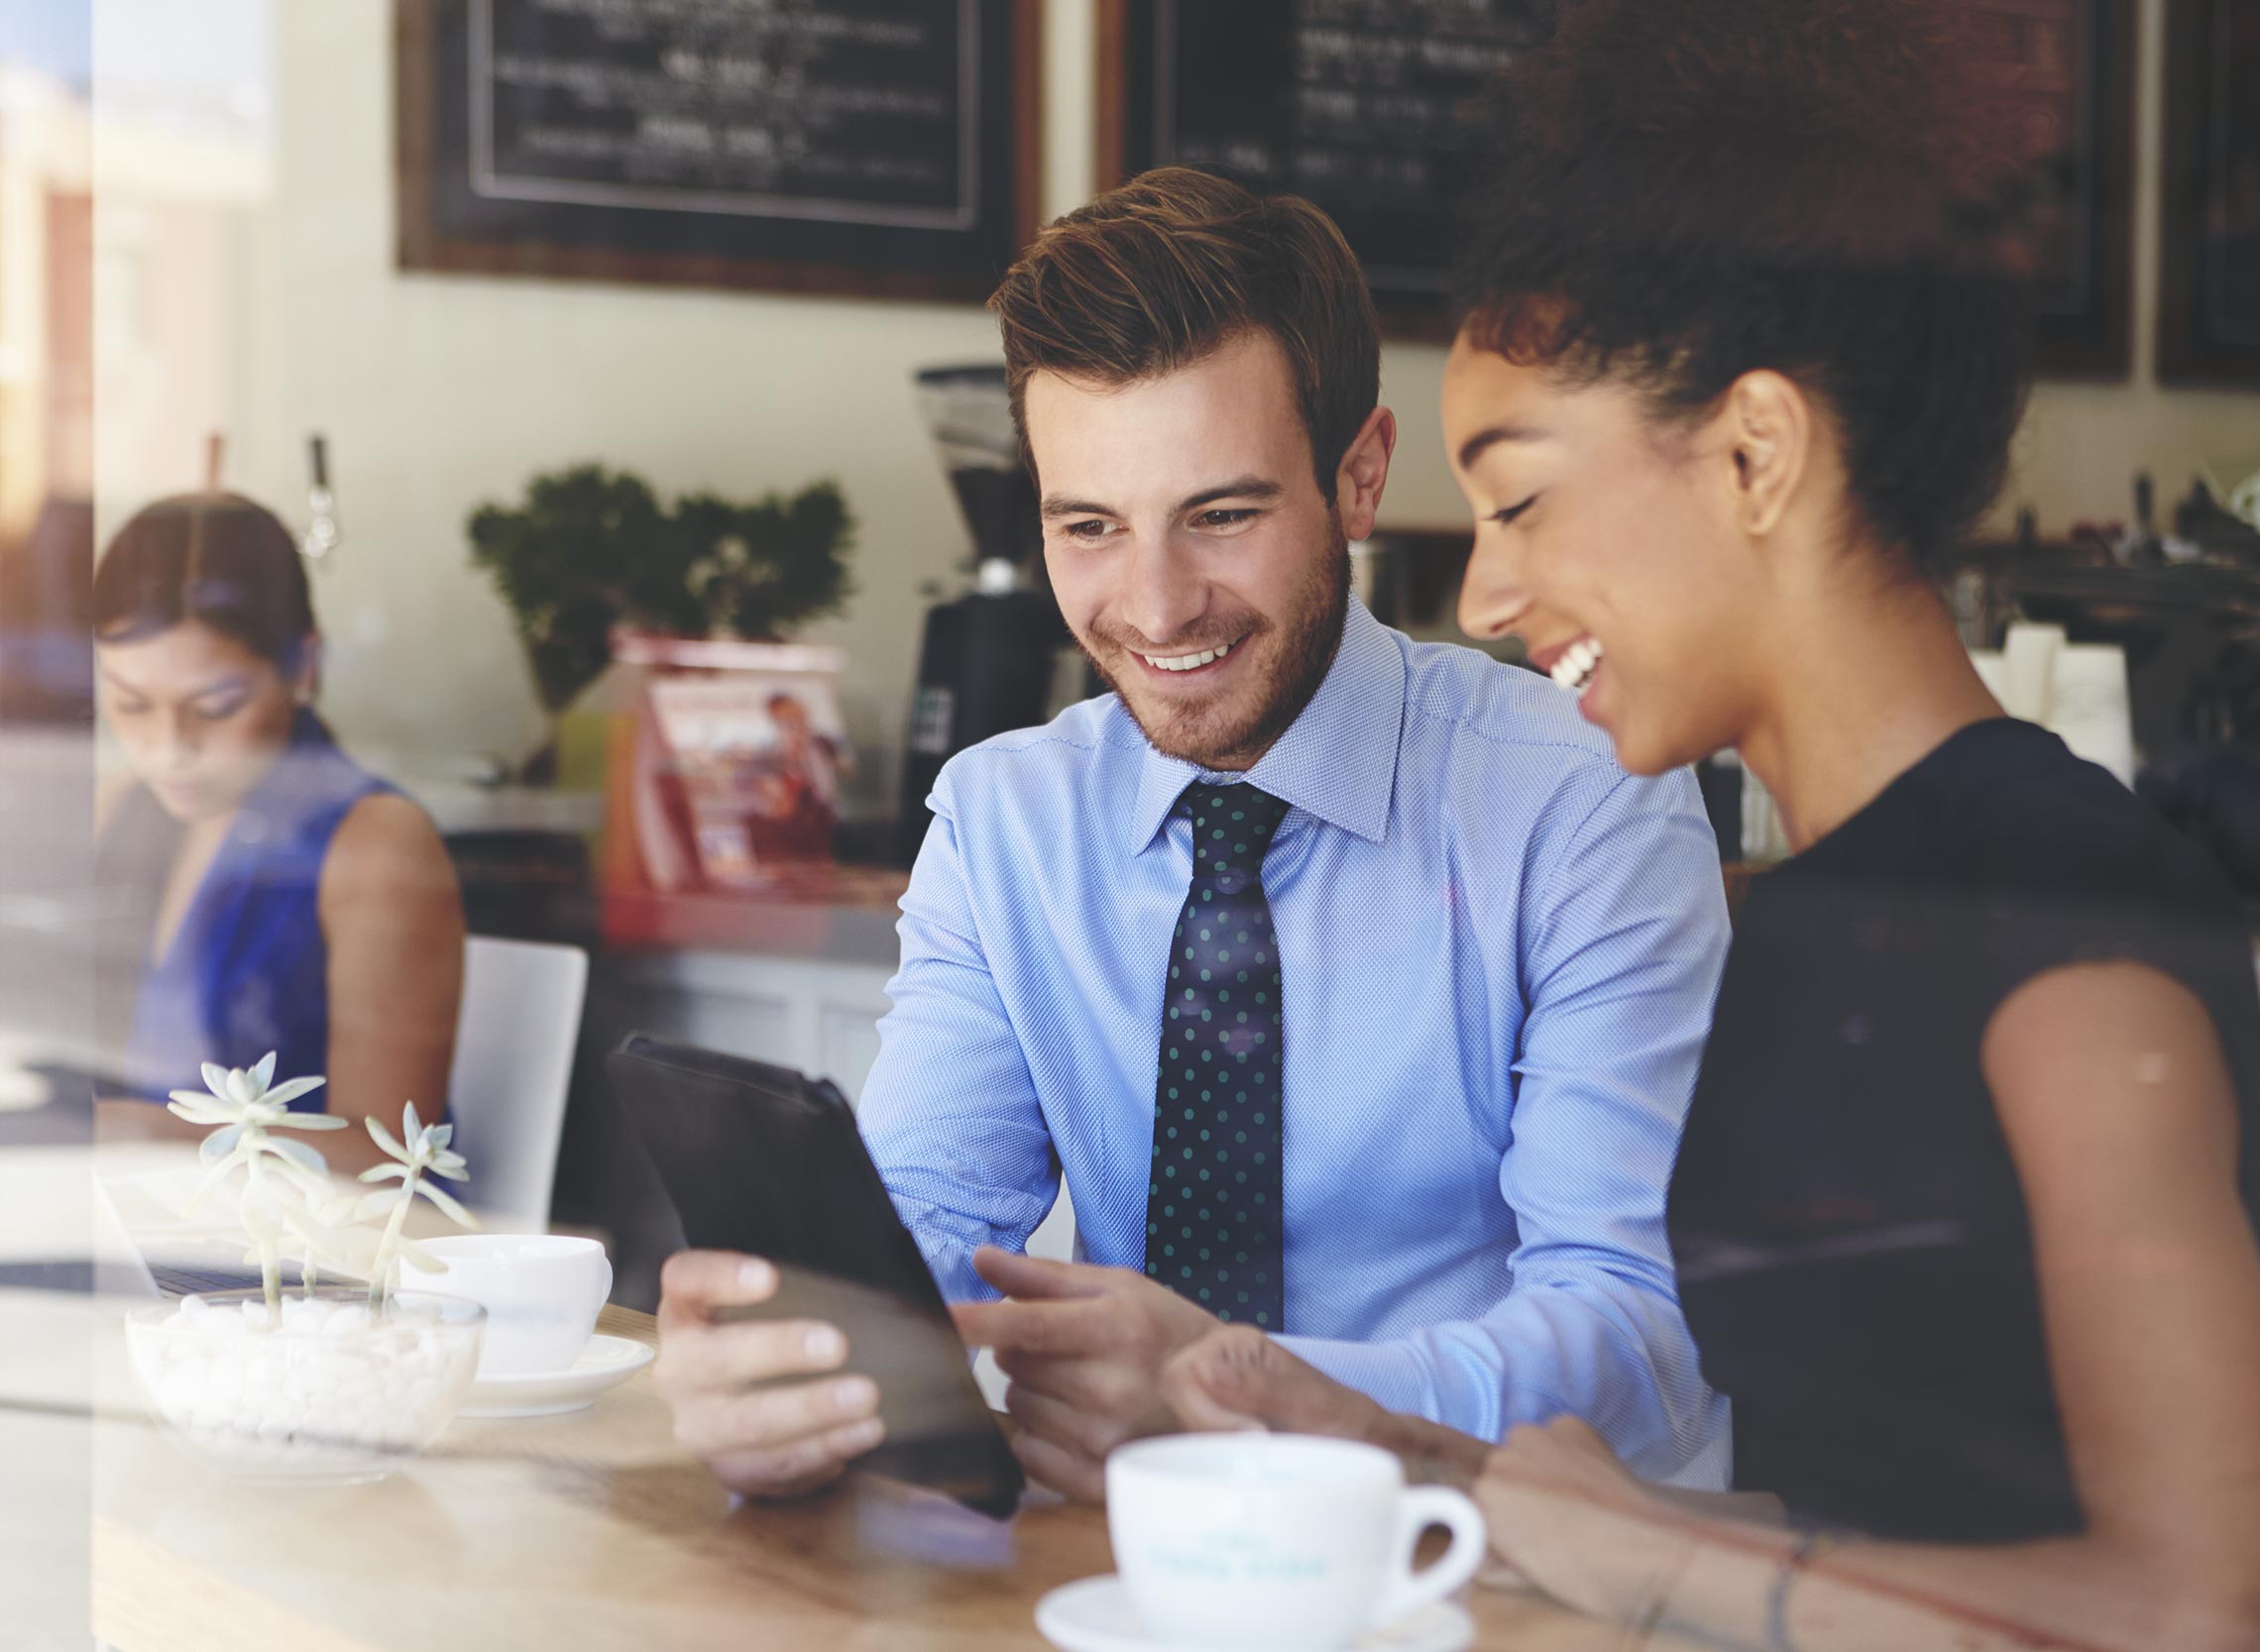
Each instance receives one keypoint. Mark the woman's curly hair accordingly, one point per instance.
(1682, 193)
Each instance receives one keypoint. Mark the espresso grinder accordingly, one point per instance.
(991, 656)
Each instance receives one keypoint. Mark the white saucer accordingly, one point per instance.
(1096, 1615)
(605, 1363)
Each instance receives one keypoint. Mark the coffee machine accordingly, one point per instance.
(989, 657)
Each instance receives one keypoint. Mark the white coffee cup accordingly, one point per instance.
(1277, 1541)
(541, 1293)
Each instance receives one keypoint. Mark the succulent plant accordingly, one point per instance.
(421, 1150)
(286, 1204)
(239, 1102)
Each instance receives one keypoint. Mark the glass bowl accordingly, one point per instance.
(332, 1396)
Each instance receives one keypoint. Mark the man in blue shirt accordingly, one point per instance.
(1350, 986)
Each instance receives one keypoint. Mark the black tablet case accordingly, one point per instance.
(760, 1160)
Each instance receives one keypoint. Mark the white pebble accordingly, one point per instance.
(335, 1389)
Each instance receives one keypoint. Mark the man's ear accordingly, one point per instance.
(1364, 472)
(1767, 429)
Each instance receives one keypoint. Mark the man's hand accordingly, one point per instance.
(1085, 1348)
(777, 1441)
(1238, 1379)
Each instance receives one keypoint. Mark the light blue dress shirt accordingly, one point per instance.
(1500, 955)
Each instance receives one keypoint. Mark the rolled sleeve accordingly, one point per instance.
(950, 1112)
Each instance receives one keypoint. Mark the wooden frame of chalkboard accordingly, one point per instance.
(717, 181)
(2085, 324)
(2209, 318)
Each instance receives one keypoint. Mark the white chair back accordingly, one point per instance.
(514, 1061)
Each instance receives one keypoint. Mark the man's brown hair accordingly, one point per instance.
(1162, 272)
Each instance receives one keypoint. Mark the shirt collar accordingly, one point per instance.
(1337, 761)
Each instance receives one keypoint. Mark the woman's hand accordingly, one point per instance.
(1568, 1455)
(1565, 1513)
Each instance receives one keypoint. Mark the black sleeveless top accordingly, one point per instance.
(1853, 1254)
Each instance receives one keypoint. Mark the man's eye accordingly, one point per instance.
(1223, 518)
(1090, 531)
(217, 711)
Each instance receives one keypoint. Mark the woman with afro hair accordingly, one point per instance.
(1963, 1216)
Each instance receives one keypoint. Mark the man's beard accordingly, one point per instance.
(1214, 737)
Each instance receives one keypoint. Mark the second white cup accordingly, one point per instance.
(541, 1293)
(1277, 1541)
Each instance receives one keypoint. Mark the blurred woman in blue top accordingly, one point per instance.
(265, 891)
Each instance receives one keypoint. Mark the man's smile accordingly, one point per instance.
(1188, 663)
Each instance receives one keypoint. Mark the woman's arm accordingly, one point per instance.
(2121, 1119)
(2119, 1113)
(1569, 1518)
(2122, 1116)
(392, 921)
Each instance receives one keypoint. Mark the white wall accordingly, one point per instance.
(441, 391)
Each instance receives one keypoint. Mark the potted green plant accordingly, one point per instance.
(587, 549)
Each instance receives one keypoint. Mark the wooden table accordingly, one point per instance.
(591, 1531)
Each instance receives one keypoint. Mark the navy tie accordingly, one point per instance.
(1213, 1216)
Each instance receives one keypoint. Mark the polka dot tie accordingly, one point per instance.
(1212, 1212)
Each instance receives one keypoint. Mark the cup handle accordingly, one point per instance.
(604, 1295)
(1420, 1507)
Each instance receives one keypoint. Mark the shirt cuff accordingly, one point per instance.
(949, 1256)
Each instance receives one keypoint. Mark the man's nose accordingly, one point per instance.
(1163, 592)
(1493, 599)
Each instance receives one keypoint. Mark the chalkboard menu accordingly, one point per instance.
(883, 147)
(1371, 109)
(1365, 107)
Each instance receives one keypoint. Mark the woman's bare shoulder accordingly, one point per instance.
(388, 847)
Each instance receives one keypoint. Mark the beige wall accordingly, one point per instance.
(439, 393)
